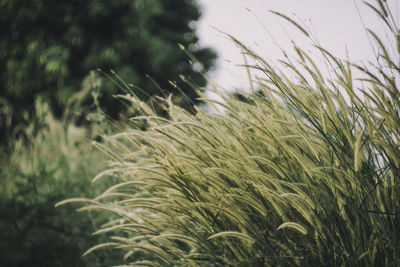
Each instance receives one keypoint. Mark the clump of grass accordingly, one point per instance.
(305, 173)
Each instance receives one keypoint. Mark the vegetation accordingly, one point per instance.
(57, 163)
(304, 173)
(49, 110)
(49, 47)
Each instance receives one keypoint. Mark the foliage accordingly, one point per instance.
(48, 47)
(304, 174)
(57, 163)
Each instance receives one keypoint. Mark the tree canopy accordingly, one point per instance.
(48, 47)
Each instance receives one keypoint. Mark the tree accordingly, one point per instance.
(48, 47)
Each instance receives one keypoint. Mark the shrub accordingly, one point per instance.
(56, 162)
(305, 173)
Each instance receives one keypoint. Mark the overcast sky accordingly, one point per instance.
(336, 23)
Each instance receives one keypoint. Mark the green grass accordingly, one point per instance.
(304, 173)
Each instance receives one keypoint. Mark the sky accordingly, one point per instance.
(336, 24)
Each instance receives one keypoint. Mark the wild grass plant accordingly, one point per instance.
(305, 173)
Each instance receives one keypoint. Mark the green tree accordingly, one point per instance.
(48, 47)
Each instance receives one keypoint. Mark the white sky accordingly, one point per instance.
(336, 23)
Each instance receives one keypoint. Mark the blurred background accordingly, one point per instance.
(61, 62)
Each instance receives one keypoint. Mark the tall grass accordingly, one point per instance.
(305, 173)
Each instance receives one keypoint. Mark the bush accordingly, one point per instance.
(57, 162)
(305, 173)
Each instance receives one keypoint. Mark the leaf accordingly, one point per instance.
(103, 245)
(232, 234)
(291, 21)
(363, 255)
(293, 225)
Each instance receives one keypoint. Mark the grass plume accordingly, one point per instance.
(305, 173)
